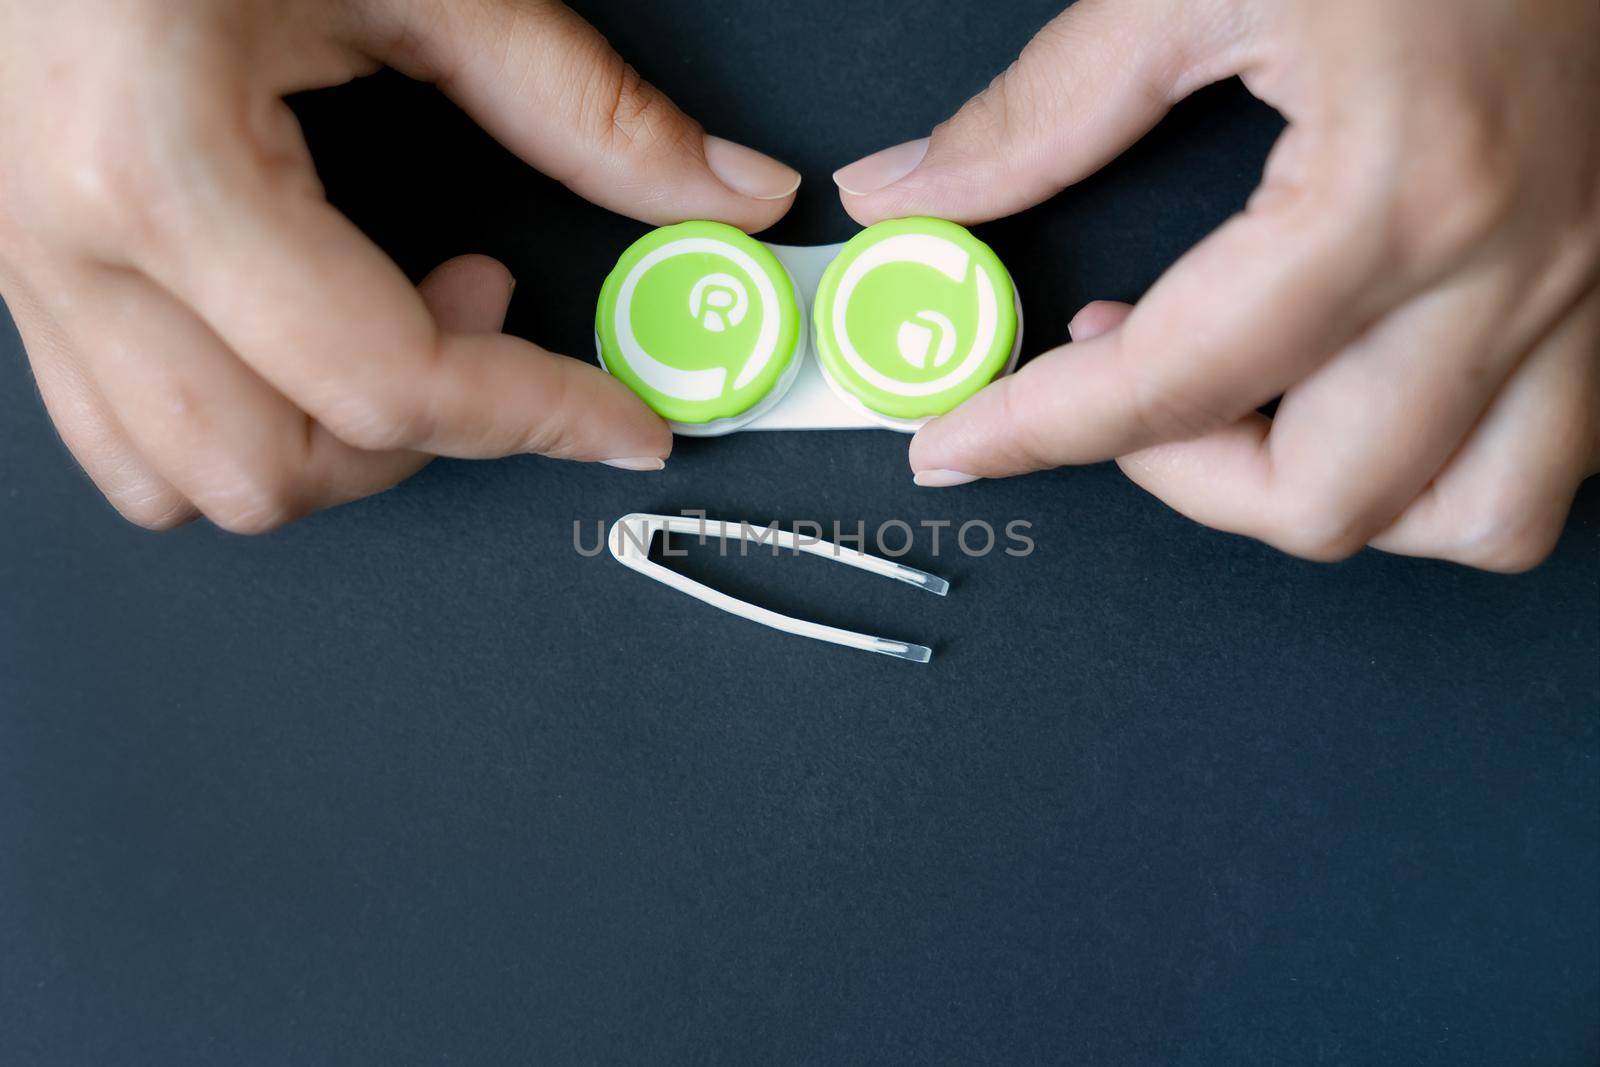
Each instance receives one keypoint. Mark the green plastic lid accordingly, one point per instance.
(700, 320)
(915, 316)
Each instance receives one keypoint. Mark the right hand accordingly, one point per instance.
(1418, 275)
(211, 337)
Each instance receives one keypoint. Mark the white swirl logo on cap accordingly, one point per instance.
(916, 340)
(718, 301)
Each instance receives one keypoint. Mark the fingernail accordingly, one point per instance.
(748, 172)
(636, 463)
(881, 169)
(937, 479)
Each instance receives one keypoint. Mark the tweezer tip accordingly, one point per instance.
(901, 650)
(922, 579)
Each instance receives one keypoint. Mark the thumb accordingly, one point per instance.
(1087, 86)
(551, 89)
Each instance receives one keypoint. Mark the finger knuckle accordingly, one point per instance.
(1441, 231)
(254, 503)
(1512, 556)
(156, 512)
(627, 113)
(130, 180)
(555, 435)
(1507, 536)
(383, 407)
(250, 524)
(1312, 526)
(1340, 218)
(381, 416)
(1458, 196)
(982, 128)
(1029, 433)
(1165, 411)
(373, 420)
(112, 186)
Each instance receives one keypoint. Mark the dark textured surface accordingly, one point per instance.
(413, 782)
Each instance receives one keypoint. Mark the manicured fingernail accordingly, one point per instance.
(937, 479)
(636, 463)
(748, 172)
(881, 168)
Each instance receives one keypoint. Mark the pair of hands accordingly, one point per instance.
(1418, 275)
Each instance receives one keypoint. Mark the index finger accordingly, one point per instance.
(1250, 310)
(323, 315)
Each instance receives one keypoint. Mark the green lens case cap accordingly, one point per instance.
(703, 323)
(710, 327)
(913, 317)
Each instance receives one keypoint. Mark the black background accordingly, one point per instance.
(413, 782)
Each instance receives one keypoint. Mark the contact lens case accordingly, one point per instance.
(719, 332)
